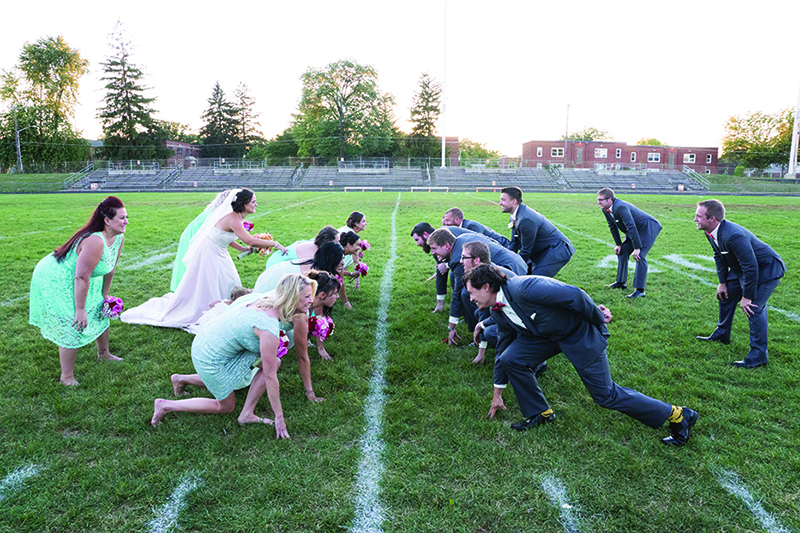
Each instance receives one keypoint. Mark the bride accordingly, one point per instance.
(210, 272)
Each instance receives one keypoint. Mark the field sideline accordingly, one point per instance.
(86, 459)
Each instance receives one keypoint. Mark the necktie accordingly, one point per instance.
(710, 236)
(498, 306)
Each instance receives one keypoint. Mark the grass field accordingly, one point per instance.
(86, 458)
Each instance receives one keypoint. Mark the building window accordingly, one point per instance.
(600, 153)
(688, 158)
(653, 157)
(179, 151)
(556, 152)
(708, 171)
(708, 159)
(619, 153)
(538, 151)
(633, 157)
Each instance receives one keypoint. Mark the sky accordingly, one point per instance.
(674, 71)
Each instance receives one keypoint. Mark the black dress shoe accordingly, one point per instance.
(712, 338)
(636, 294)
(533, 421)
(617, 285)
(539, 370)
(747, 364)
(680, 432)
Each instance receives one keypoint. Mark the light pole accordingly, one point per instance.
(444, 87)
(19, 152)
(566, 136)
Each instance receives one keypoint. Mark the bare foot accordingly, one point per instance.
(70, 381)
(253, 419)
(178, 385)
(159, 410)
(108, 356)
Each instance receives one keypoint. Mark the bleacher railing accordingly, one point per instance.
(79, 175)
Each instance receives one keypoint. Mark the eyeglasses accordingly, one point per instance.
(467, 257)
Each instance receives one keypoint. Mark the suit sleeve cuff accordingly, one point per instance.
(483, 345)
(454, 320)
(499, 386)
(440, 297)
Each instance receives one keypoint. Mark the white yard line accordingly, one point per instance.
(12, 482)
(554, 488)
(731, 482)
(370, 512)
(2, 237)
(12, 301)
(167, 517)
(259, 215)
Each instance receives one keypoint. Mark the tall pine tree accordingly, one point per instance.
(220, 134)
(246, 115)
(425, 112)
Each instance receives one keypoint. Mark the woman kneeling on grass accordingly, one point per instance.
(225, 349)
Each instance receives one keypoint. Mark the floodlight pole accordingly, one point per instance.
(444, 86)
(795, 138)
(19, 152)
(566, 136)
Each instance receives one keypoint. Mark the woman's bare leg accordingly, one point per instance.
(192, 405)
(66, 357)
(257, 388)
(179, 382)
(102, 348)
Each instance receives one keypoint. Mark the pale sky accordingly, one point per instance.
(671, 70)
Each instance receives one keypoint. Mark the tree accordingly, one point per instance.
(474, 150)
(340, 107)
(220, 134)
(129, 129)
(589, 134)
(246, 115)
(645, 141)
(758, 139)
(42, 90)
(425, 112)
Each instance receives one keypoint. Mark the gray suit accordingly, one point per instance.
(477, 227)
(561, 318)
(640, 231)
(543, 247)
(751, 269)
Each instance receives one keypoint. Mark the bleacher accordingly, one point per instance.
(621, 180)
(226, 178)
(121, 180)
(335, 178)
(524, 178)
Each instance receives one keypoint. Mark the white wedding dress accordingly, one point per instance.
(209, 277)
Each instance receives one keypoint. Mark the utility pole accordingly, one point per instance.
(444, 86)
(795, 138)
(566, 136)
(19, 153)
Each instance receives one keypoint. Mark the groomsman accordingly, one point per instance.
(640, 231)
(539, 317)
(449, 248)
(454, 217)
(748, 271)
(545, 249)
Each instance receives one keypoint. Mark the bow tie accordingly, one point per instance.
(498, 306)
(710, 236)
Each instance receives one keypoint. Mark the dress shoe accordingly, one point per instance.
(680, 432)
(617, 285)
(533, 421)
(636, 294)
(747, 364)
(714, 338)
(539, 370)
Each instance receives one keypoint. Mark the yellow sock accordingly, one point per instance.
(547, 413)
(676, 417)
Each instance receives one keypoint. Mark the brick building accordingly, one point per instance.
(609, 155)
(183, 152)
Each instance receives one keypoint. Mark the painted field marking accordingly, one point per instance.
(29, 233)
(167, 517)
(370, 512)
(12, 301)
(12, 482)
(610, 261)
(259, 215)
(554, 488)
(679, 260)
(731, 483)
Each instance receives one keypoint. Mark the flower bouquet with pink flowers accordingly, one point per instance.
(248, 226)
(361, 268)
(283, 344)
(112, 307)
(364, 245)
(320, 326)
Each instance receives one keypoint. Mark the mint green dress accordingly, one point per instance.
(178, 268)
(290, 255)
(52, 297)
(226, 347)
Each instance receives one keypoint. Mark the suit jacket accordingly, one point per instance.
(485, 314)
(477, 227)
(500, 256)
(441, 279)
(551, 311)
(639, 227)
(738, 253)
(533, 235)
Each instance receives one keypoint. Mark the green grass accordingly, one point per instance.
(32, 182)
(447, 468)
(743, 184)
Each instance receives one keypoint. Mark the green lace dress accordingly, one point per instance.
(226, 347)
(52, 297)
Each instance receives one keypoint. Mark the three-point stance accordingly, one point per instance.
(543, 247)
(748, 271)
(640, 231)
(538, 318)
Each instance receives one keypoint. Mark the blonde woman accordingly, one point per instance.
(226, 348)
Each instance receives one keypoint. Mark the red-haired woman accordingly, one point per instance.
(69, 286)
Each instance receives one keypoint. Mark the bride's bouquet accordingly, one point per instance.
(320, 326)
(112, 307)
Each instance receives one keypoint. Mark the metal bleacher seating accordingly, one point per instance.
(335, 178)
(591, 180)
(221, 178)
(525, 178)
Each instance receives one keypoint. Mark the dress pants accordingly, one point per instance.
(549, 262)
(526, 352)
(758, 322)
(640, 273)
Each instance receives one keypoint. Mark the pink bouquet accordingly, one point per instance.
(247, 225)
(362, 269)
(267, 237)
(283, 345)
(364, 245)
(112, 307)
(320, 326)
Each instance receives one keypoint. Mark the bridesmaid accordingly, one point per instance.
(69, 287)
